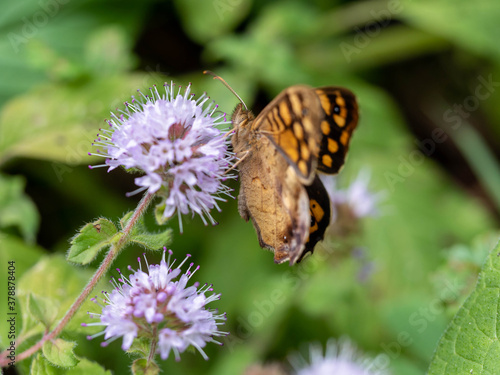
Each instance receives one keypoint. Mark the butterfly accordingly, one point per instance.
(301, 132)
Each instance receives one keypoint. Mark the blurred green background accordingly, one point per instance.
(427, 77)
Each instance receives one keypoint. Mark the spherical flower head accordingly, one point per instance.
(174, 141)
(340, 358)
(158, 304)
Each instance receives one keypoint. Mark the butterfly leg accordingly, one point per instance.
(228, 133)
(238, 162)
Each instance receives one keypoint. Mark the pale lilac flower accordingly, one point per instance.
(173, 140)
(360, 200)
(157, 303)
(340, 358)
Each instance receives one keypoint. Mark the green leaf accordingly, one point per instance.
(270, 45)
(92, 238)
(44, 58)
(31, 324)
(141, 367)
(140, 235)
(289, 21)
(60, 353)
(107, 51)
(85, 367)
(470, 344)
(205, 20)
(54, 278)
(40, 366)
(269, 59)
(124, 220)
(59, 122)
(471, 25)
(20, 30)
(159, 210)
(151, 241)
(43, 309)
(16, 208)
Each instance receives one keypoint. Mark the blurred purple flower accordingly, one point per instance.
(357, 197)
(340, 358)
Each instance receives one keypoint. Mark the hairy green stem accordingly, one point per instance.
(154, 342)
(113, 252)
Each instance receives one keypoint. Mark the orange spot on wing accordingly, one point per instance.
(333, 146)
(327, 160)
(339, 120)
(325, 103)
(296, 104)
(304, 151)
(298, 130)
(325, 127)
(276, 119)
(344, 138)
(303, 167)
(285, 113)
(290, 145)
(307, 124)
(316, 210)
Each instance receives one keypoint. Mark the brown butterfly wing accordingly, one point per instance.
(340, 119)
(275, 200)
(291, 122)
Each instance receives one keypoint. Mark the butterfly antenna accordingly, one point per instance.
(227, 85)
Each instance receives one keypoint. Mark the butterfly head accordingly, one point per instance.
(241, 116)
(241, 119)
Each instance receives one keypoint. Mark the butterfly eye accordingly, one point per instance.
(336, 109)
(305, 111)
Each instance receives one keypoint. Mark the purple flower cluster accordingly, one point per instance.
(158, 303)
(173, 139)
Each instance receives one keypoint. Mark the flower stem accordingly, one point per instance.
(154, 342)
(113, 252)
